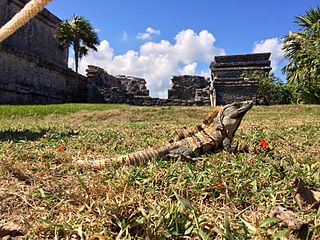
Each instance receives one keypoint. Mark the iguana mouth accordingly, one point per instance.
(241, 108)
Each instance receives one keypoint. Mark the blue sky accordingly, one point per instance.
(156, 39)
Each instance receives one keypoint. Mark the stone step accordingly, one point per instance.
(243, 58)
(245, 68)
(240, 64)
(235, 82)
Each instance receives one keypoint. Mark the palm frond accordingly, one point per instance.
(78, 32)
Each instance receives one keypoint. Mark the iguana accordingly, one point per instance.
(216, 133)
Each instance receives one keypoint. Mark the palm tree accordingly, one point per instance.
(310, 22)
(79, 33)
(302, 50)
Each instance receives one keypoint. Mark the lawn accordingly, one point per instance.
(222, 196)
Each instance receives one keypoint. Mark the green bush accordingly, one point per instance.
(308, 92)
(272, 90)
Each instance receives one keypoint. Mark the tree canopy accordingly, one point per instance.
(79, 33)
(302, 50)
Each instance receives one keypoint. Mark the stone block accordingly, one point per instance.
(188, 87)
(25, 79)
(35, 38)
(228, 81)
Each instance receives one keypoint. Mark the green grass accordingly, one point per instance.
(56, 109)
(221, 196)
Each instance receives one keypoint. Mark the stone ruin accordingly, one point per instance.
(192, 88)
(133, 85)
(36, 38)
(228, 80)
(34, 69)
(105, 88)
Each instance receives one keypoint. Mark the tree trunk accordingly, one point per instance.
(76, 48)
(76, 60)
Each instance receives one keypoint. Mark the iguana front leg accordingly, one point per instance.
(227, 146)
(181, 154)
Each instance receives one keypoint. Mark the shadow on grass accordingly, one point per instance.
(26, 135)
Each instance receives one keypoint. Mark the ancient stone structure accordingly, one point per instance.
(105, 88)
(27, 80)
(229, 81)
(193, 88)
(33, 68)
(133, 85)
(36, 38)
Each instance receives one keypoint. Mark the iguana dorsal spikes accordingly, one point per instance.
(189, 132)
(211, 116)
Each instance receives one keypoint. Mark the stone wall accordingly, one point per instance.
(33, 68)
(186, 86)
(105, 88)
(190, 88)
(25, 79)
(133, 85)
(231, 90)
(228, 81)
(36, 38)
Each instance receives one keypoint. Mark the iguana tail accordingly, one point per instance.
(136, 158)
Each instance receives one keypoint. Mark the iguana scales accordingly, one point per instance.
(214, 134)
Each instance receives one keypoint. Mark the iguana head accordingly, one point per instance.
(230, 116)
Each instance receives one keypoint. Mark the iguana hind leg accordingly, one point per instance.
(181, 154)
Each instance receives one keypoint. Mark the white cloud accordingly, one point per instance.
(124, 36)
(273, 45)
(189, 69)
(148, 34)
(153, 31)
(143, 36)
(157, 62)
(190, 46)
